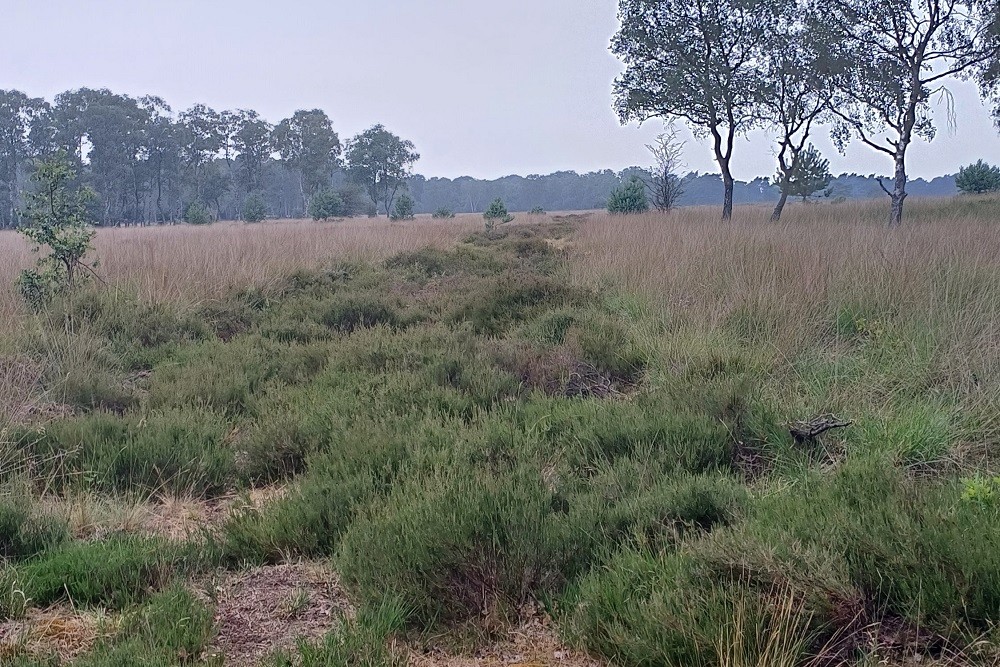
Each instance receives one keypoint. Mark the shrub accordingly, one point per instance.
(629, 198)
(180, 451)
(462, 545)
(497, 214)
(197, 213)
(359, 642)
(56, 219)
(443, 213)
(649, 608)
(326, 204)
(254, 208)
(978, 178)
(515, 300)
(354, 313)
(403, 208)
(115, 573)
(24, 534)
(434, 262)
(538, 210)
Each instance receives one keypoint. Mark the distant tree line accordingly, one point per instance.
(571, 191)
(146, 164)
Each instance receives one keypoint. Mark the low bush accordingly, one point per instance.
(362, 642)
(513, 300)
(461, 545)
(648, 608)
(351, 313)
(24, 533)
(174, 450)
(114, 574)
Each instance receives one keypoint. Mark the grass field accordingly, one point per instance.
(569, 442)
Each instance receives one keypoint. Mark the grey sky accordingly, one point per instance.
(483, 88)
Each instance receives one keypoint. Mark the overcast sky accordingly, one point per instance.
(483, 88)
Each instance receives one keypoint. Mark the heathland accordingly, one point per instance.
(403, 441)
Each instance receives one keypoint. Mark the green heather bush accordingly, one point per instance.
(352, 313)
(659, 608)
(24, 533)
(361, 641)
(114, 574)
(514, 300)
(172, 628)
(360, 464)
(434, 262)
(173, 623)
(176, 450)
(81, 370)
(461, 544)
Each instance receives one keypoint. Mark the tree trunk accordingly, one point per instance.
(727, 201)
(723, 149)
(898, 193)
(776, 216)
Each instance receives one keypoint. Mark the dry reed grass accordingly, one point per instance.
(184, 263)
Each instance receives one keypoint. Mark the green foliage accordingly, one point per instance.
(629, 198)
(172, 628)
(461, 545)
(497, 214)
(978, 178)
(180, 451)
(359, 312)
(115, 573)
(308, 145)
(403, 209)
(443, 214)
(537, 210)
(326, 204)
(55, 218)
(25, 533)
(197, 214)
(254, 208)
(809, 175)
(380, 162)
(511, 301)
(173, 623)
(359, 642)
(983, 491)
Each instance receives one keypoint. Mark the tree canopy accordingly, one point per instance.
(380, 162)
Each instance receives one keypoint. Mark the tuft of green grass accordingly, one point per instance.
(114, 574)
(364, 641)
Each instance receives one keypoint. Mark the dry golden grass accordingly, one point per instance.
(184, 263)
(795, 274)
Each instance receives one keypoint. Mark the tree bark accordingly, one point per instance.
(898, 194)
(729, 183)
(776, 216)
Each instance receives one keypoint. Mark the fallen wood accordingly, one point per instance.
(808, 431)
